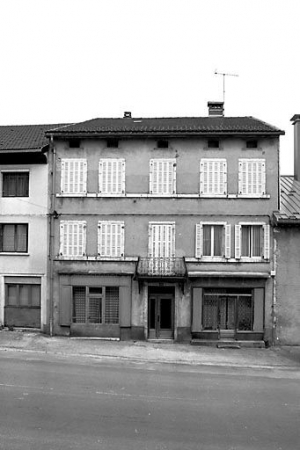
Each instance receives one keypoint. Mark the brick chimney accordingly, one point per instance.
(215, 108)
(296, 122)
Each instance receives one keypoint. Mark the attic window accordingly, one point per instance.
(112, 143)
(213, 143)
(74, 143)
(162, 143)
(252, 143)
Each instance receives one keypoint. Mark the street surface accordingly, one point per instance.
(56, 402)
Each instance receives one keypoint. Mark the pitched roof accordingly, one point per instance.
(169, 126)
(289, 213)
(23, 138)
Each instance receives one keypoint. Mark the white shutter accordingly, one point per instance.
(237, 241)
(74, 176)
(161, 242)
(213, 176)
(227, 241)
(111, 239)
(112, 176)
(252, 177)
(150, 240)
(73, 238)
(266, 229)
(199, 240)
(162, 176)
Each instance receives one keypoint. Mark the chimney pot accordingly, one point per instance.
(215, 108)
(127, 115)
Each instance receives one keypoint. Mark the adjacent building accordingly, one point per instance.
(160, 228)
(24, 207)
(286, 252)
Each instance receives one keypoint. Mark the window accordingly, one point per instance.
(252, 143)
(161, 240)
(162, 176)
(162, 143)
(72, 238)
(112, 176)
(23, 295)
(74, 143)
(252, 241)
(14, 238)
(96, 305)
(73, 176)
(15, 184)
(213, 177)
(213, 143)
(112, 143)
(213, 240)
(252, 177)
(111, 239)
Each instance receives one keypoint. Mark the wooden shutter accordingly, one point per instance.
(73, 176)
(162, 176)
(125, 306)
(252, 177)
(258, 322)
(238, 230)
(112, 176)
(213, 176)
(266, 229)
(227, 241)
(199, 240)
(111, 239)
(161, 242)
(72, 238)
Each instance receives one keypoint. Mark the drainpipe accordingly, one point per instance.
(51, 223)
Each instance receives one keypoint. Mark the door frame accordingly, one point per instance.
(160, 295)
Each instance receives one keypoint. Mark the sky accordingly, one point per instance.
(65, 61)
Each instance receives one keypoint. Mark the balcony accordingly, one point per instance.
(174, 268)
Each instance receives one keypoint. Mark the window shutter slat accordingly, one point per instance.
(227, 241)
(266, 229)
(237, 241)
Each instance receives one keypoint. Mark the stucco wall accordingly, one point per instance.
(288, 285)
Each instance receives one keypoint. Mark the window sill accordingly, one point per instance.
(245, 196)
(14, 254)
(96, 258)
(225, 260)
(83, 195)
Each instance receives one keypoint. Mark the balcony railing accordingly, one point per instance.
(161, 267)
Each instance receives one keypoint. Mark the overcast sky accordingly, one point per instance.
(66, 61)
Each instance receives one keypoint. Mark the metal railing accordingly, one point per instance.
(161, 267)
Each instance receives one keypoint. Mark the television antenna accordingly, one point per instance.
(224, 75)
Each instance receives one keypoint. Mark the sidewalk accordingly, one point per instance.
(174, 353)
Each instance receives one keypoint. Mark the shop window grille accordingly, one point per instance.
(210, 312)
(79, 305)
(245, 313)
(112, 305)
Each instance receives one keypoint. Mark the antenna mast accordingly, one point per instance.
(225, 75)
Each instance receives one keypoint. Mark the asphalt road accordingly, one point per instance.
(49, 402)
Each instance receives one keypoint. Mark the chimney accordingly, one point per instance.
(127, 115)
(296, 122)
(215, 109)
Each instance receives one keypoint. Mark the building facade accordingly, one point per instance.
(23, 227)
(160, 228)
(286, 252)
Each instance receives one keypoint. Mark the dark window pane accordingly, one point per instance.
(15, 184)
(95, 310)
(112, 305)
(12, 299)
(213, 143)
(206, 240)
(218, 231)
(79, 305)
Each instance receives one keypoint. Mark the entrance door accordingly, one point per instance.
(227, 313)
(161, 313)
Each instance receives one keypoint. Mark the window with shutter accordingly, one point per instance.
(111, 239)
(112, 176)
(213, 240)
(162, 176)
(252, 241)
(74, 176)
(252, 177)
(213, 177)
(162, 240)
(72, 238)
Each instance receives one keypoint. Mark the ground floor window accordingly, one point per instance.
(22, 305)
(96, 305)
(228, 309)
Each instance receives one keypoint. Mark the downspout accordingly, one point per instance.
(274, 296)
(51, 241)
